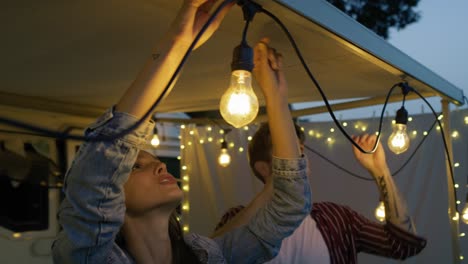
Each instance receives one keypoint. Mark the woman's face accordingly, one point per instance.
(150, 186)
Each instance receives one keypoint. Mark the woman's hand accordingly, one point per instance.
(268, 71)
(375, 163)
(191, 18)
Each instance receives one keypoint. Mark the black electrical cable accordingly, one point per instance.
(365, 178)
(301, 58)
(449, 159)
(244, 33)
(60, 135)
(317, 85)
(336, 165)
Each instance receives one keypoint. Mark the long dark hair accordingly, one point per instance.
(181, 253)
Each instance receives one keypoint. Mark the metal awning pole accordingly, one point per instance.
(452, 212)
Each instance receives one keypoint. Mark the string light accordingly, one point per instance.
(241, 149)
(399, 142)
(455, 134)
(345, 124)
(465, 211)
(185, 188)
(410, 119)
(210, 139)
(184, 167)
(380, 212)
(332, 130)
(182, 126)
(185, 178)
(224, 159)
(239, 104)
(456, 165)
(191, 132)
(249, 138)
(179, 157)
(209, 128)
(155, 139)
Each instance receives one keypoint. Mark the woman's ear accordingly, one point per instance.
(264, 169)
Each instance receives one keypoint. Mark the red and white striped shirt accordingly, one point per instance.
(347, 233)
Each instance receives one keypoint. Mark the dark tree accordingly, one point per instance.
(380, 15)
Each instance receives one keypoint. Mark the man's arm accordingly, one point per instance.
(347, 233)
(270, 76)
(396, 211)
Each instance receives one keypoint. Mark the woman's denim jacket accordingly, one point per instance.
(93, 210)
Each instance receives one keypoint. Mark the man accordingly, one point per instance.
(333, 233)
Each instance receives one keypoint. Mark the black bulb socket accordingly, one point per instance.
(224, 145)
(242, 58)
(401, 116)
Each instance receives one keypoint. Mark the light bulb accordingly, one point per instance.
(155, 140)
(224, 159)
(399, 142)
(465, 211)
(239, 104)
(380, 212)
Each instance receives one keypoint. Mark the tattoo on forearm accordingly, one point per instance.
(384, 193)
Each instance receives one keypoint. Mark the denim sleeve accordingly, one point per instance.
(261, 239)
(93, 210)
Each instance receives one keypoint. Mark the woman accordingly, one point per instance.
(120, 199)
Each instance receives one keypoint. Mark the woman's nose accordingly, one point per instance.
(160, 167)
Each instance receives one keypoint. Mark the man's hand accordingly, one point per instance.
(375, 163)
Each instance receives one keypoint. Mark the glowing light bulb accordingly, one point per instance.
(465, 213)
(239, 104)
(380, 212)
(155, 140)
(399, 142)
(224, 159)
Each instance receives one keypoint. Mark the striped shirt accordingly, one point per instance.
(347, 233)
